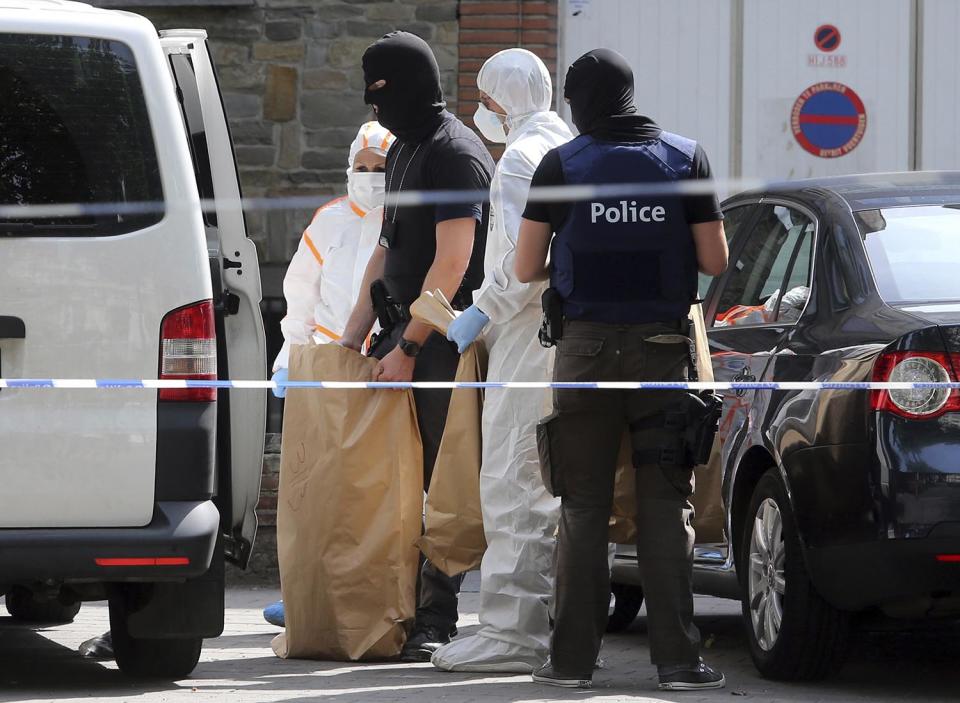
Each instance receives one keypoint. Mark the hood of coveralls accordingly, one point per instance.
(411, 103)
(366, 190)
(520, 83)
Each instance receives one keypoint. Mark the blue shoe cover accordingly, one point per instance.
(273, 614)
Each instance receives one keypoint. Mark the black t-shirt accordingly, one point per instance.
(699, 208)
(452, 158)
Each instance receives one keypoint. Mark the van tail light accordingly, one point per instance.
(188, 350)
(915, 367)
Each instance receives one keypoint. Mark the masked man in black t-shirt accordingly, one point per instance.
(422, 248)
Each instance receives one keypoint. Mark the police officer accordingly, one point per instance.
(423, 248)
(624, 270)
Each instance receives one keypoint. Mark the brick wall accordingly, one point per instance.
(488, 26)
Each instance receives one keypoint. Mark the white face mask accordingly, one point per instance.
(366, 190)
(490, 124)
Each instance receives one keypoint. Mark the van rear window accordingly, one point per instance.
(75, 139)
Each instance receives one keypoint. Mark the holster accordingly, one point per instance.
(691, 424)
(551, 328)
(389, 312)
(703, 420)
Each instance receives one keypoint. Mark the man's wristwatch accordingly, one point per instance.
(409, 348)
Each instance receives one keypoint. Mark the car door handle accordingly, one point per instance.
(12, 327)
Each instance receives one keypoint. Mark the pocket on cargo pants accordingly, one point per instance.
(547, 429)
(578, 360)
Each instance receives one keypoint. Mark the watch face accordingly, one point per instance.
(409, 348)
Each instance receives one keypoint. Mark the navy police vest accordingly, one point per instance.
(626, 259)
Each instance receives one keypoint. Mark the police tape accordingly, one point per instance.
(157, 384)
(11, 213)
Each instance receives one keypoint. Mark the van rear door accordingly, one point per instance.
(236, 279)
(86, 283)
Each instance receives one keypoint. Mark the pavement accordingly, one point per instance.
(43, 665)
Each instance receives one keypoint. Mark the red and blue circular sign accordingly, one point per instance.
(828, 120)
(827, 38)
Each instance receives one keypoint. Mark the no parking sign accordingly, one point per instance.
(828, 120)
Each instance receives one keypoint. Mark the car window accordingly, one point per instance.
(770, 280)
(733, 220)
(74, 129)
(914, 252)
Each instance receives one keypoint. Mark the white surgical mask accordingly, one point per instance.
(366, 190)
(490, 124)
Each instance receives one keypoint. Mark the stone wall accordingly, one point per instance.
(293, 88)
(262, 568)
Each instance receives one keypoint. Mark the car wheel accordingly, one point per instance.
(793, 633)
(167, 659)
(626, 605)
(23, 605)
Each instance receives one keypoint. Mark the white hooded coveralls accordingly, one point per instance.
(323, 280)
(519, 516)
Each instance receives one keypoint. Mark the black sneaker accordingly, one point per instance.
(423, 642)
(546, 674)
(689, 678)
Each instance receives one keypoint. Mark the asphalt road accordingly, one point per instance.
(43, 665)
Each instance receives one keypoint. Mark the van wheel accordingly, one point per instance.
(168, 659)
(627, 603)
(792, 632)
(23, 605)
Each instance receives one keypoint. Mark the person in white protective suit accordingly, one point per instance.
(519, 516)
(324, 276)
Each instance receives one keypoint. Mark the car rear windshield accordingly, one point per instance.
(74, 131)
(914, 252)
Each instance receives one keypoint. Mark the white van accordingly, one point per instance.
(127, 494)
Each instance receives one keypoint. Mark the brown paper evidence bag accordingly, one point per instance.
(350, 513)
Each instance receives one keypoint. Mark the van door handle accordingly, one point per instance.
(12, 327)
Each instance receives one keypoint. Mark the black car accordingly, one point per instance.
(836, 502)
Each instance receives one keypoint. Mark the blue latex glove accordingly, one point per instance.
(280, 376)
(467, 327)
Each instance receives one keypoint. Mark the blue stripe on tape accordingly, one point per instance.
(208, 384)
(30, 383)
(119, 383)
(757, 386)
(301, 384)
(845, 386)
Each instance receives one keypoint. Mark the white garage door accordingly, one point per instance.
(784, 89)
(680, 53)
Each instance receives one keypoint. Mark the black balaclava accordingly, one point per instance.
(599, 86)
(411, 103)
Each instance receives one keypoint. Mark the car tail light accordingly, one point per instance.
(915, 367)
(188, 350)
